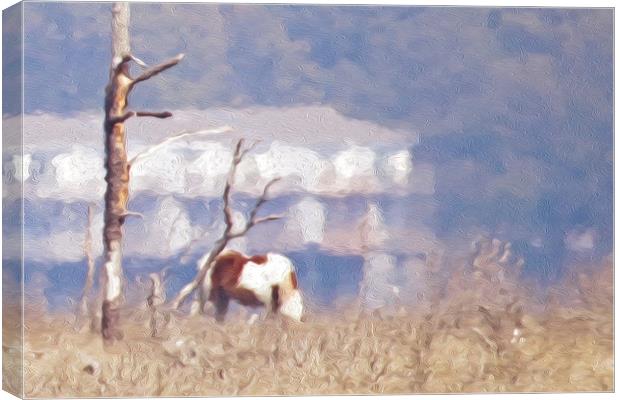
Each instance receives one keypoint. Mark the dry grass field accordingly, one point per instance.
(481, 334)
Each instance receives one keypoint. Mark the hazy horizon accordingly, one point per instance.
(453, 125)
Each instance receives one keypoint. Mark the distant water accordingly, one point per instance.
(322, 277)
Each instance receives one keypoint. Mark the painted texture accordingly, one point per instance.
(446, 185)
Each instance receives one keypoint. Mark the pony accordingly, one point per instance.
(261, 280)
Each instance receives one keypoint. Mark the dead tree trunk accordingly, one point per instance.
(117, 172)
(117, 165)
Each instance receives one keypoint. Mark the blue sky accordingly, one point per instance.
(509, 111)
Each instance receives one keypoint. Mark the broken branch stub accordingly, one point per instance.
(155, 114)
(157, 69)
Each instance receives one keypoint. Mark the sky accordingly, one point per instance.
(449, 123)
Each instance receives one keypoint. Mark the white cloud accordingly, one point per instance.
(199, 168)
(65, 242)
(21, 166)
(398, 167)
(302, 145)
(580, 241)
(355, 162)
(306, 222)
(373, 230)
(319, 127)
(174, 222)
(176, 170)
(379, 273)
(163, 172)
(63, 246)
(300, 166)
(76, 175)
(163, 232)
(355, 170)
(314, 148)
(16, 170)
(54, 133)
(58, 246)
(206, 174)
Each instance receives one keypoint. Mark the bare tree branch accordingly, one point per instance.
(230, 181)
(227, 235)
(253, 221)
(152, 71)
(247, 150)
(138, 61)
(263, 198)
(221, 243)
(188, 289)
(116, 119)
(128, 213)
(182, 135)
(268, 218)
(128, 114)
(156, 114)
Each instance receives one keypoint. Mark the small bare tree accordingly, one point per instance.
(228, 233)
(156, 298)
(84, 310)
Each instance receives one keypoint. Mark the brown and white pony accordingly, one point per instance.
(261, 280)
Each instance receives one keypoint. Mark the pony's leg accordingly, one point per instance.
(202, 298)
(204, 294)
(275, 299)
(220, 299)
